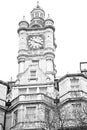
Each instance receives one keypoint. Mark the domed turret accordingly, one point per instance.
(23, 23)
(49, 21)
(37, 17)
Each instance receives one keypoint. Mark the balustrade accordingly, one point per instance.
(73, 94)
(32, 97)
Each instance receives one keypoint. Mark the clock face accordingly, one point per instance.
(35, 42)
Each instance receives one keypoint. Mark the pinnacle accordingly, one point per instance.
(38, 4)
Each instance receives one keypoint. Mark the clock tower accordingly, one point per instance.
(32, 95)
(37, 48)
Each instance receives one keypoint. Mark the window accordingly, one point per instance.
(15, 121)
(47, 114)
(75, 94)
(43, 90)
(33, 75)
(37, 14)
(41, 15)
(22, 91)
(76, 105)
(35, 61)
(32, 15)
(74, 80)
(32, 90)
(74, 83)
(30, 113)
(83, 66)
(74, 86)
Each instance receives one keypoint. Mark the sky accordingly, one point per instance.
(70, 21)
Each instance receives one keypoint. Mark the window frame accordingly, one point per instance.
(32, 115)
(15, 117)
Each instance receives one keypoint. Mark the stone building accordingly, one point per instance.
(31, 97)
(73, 100)
(35, 99)
(3, 92)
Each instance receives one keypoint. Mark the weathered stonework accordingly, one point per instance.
(37, 99)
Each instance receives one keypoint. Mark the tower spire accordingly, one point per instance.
(37, 4)
(48, 16)
(23, 18)
(37, 17)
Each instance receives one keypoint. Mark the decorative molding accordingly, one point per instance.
(46, 100)
(72, 75)
(34, 84)
(35, 29)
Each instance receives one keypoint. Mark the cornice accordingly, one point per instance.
(16, 103)
(27, 103)
(71, 75)
(45, 54)
(35, 29)
(35, 84)
(22, 56)
(72, 100)
(73, 91)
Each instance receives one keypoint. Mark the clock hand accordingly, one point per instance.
(34, 41)
(37, 42)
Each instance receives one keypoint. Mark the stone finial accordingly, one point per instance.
(11, 79)
(37, 4)
(23, 19)
(48, 16)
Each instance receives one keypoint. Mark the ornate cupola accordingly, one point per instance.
(37, 17)
(23, 23)
(49, 21)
